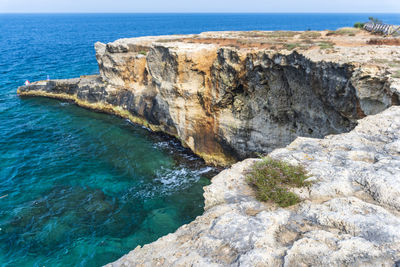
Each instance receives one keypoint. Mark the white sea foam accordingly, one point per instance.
(204, 170)
(164, 144)
(176, 179)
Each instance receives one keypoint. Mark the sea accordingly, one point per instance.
(79, 188)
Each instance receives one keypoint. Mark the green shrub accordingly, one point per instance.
(292, 46)
(273, 179)
(325, 45)
(359, 25)
(142, 53)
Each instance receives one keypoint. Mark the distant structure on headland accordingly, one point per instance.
(382, 28)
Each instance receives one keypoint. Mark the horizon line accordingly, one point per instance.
(208, 12)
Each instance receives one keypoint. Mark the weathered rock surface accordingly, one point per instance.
(349, 217)
(227, 102)
(228, 96)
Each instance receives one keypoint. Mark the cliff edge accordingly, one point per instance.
(232, 95)
(349, 217)
(327, 100)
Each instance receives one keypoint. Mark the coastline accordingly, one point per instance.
(349, 217)
(172, 82)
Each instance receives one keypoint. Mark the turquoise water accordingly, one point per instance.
(85, 188)
(82, 188)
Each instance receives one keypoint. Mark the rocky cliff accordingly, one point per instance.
(229, 96)
(349, 217)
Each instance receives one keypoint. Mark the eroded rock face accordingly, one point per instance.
(227, 103)
(349, 216)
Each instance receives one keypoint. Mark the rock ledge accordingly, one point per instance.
(349, 217)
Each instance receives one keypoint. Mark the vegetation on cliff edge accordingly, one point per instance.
(273, 180)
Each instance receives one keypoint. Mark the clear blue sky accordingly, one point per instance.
(367, 6)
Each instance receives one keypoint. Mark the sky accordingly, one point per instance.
(133, 6)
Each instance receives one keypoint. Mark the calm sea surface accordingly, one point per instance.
(79, 188)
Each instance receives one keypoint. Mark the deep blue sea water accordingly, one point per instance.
(81, 188)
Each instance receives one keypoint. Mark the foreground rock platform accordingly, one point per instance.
(349, 217)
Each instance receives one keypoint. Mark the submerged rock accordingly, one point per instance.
(49, 223)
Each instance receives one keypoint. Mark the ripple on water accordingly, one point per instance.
(86, 188)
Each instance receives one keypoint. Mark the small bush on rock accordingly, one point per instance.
(273, 179)
(292, 46)
(326, 45)
(359, 25)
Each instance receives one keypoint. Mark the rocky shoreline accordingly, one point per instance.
(231, 95)
(349, 217)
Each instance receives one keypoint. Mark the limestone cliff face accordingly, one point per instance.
(230, 95)
(229, 103)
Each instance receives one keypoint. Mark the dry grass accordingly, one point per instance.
(343, 32)
(275, 34)
(384, 41)
(396, 74)
(326, 45)
(282, 34)
(292, 46)
(394, 63)
(310, 34)
(278, 40)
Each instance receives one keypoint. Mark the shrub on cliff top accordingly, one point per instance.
(375, 20)
(359, 25)
(344, 31)
(273, 179)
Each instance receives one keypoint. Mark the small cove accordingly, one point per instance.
(89, 187)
